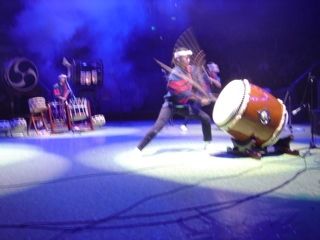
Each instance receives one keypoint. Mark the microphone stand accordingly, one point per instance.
(312, 142)
(288, 96)
(310, 109)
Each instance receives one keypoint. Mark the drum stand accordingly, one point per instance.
(246, 148)
(249, 148)
(283, 146)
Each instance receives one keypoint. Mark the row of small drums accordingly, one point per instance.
(79, 107)
(13, 125)
(38, 105)
(19, 125)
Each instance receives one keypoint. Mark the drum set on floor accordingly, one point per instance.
(253, 117)
(53, 117)
(58, 116)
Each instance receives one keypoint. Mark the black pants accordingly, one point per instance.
(192, 110)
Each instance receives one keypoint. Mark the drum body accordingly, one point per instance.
(37, 104)
(246, 111)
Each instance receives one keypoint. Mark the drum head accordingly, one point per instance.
(229, 102)
(37, 104)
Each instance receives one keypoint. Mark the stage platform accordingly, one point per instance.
(93, 185)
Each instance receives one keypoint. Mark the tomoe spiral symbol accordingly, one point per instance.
(21, 74)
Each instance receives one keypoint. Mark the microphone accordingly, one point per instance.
(297, 110)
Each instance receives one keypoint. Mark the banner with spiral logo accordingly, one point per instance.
(21, 74)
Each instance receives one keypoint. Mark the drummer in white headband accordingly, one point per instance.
(180, 99)
(60, 90)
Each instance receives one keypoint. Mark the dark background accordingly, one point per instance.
(275, 44)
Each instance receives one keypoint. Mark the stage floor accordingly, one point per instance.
(92, 185)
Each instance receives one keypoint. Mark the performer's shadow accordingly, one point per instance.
(170, 150)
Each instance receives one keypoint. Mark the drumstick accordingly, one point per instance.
(193, 83)
(191, 38)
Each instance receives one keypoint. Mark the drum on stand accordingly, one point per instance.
(246, 111)
(37, 104)
(79, 109)
(37, 107)
(79, 114)
(58, 116)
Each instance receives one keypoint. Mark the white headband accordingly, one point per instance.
(62, 76)
(182, 53)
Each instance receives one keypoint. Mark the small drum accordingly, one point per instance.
(79, 109)
(18, 125)
(98, 120)
(244, 110)
(37, 104)
(5, 126)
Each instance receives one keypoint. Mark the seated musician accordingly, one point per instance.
(61, 91)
